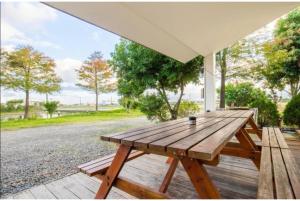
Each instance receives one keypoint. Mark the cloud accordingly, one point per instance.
(23, 19)
(65, 68)
(24, 14)
(11, 35)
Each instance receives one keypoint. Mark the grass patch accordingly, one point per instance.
(75, 118)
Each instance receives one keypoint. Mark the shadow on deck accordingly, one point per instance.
(236, 178)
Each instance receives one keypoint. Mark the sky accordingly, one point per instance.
(66, 39)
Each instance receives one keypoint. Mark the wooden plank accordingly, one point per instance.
(101, 167)
(282, 183)
(273, 139)
(240, 152)
(41, 192)
(181, 147)
(135, 189)
(24, 195)
(212, 114)
(280, 138)
(162, 143)
(247, 144)
(265, 182)
(265, 137)
(118, 137)
(211, 146)
(57, 188)
(200, 179)
(76, 188)
(144, 142)
(164, 186)
(107, 160)
(252, 123)
(113, 171)
(249, 139)
(293, 171)
(248, 114)
(164, 131)
(149, 127)
(232, 113)
(110, 156)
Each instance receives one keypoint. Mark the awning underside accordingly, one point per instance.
(179, 30)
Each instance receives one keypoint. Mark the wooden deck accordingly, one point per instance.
(236, 178)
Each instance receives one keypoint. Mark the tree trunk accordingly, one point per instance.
(26, 113)
(222, 90)
(96, 100)
(223, 66)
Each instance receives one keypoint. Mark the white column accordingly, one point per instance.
(209, 82)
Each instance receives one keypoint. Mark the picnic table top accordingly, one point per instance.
(202, 141)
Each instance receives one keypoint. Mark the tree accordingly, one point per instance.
(282, 55)
(246, 95)
(27, 70)
(232, 62)
(49, 85)
(291, 113)
(96, 75)
(51, 107)
(140, 69)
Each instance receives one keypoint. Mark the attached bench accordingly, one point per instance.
(279, 176)
(98, 168)
(100, 165)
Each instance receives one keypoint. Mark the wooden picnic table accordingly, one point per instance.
(192, 145)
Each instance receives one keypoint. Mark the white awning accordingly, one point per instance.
(179, 30)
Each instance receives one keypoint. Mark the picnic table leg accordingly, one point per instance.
(255, 128)
(173, 165)
(169, 160)
(200, 179)
(113, 171)
(247, 143)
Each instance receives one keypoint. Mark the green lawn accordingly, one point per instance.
(82, 117)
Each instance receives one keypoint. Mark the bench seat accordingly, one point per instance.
(279, 176)
(100, 165)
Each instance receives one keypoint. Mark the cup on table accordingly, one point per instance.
(192, 120)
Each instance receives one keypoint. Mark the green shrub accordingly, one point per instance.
(51, 107)
(291, 113)
(239, 95)
(187, 108)
(154, 107)
(128, 103)
(14, 105)
(267, 110)
(246, 95)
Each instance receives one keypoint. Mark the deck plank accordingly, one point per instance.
(57, 188)
(76, 188)
(41, 192)
(24, 195)
(236, 178)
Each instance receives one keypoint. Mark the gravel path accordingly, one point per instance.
(37, 155)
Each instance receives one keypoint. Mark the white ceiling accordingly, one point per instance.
(179, 30)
